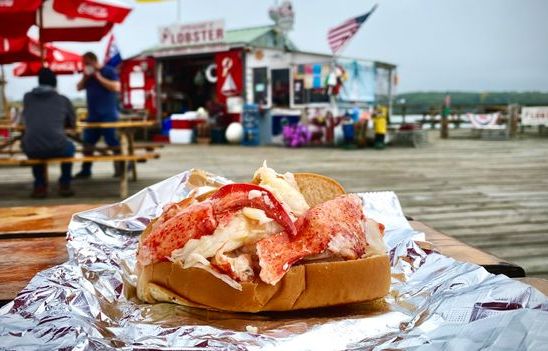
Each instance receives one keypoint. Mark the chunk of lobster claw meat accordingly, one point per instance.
(232, 197)
(336, 225)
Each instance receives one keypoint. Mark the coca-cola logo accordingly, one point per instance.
(92, 10)
(7, 3)
(64, 66)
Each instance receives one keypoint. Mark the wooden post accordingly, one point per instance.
(131, 151)
(123, 176)
(513, 120)
(446, 110)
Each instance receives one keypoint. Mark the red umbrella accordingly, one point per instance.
(62, 20)
(19, 49)
(58, 60)
(100, 10)
(80, 20)
(16, 16)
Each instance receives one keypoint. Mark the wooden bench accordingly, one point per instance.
(33, 239)
(146, 146)
(20, 161)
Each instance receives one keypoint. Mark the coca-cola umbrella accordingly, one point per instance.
(17, 16)
(19, 49)
(61, 20)
(79, 20)
(60, 61)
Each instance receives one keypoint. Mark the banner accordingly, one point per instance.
(534, 116)
(229, 74)
(360, 85)
(481, 121)
(192, 34)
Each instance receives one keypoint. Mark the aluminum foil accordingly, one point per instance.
(435, 302)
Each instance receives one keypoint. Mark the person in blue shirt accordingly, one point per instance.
(102, 86)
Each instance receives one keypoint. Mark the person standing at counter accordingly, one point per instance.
(102, 86)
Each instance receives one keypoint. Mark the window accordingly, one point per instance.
(309, 83)
(280, 87)
(260, 86)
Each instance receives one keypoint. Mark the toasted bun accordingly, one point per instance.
(304, 286)
(317, 188)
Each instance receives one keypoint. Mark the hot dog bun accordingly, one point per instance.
(304, 286)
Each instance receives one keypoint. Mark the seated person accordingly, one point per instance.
(46, 113)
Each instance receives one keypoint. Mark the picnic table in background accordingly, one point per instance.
(33, 239)
(126, 130)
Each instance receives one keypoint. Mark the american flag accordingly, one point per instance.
(113, 58)
(341, 34)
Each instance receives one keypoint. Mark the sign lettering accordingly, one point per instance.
(192, 34)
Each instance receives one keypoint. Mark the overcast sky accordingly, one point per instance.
(472, 45)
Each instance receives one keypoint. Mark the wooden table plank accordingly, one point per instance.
(460, 251)
(21, 259)
(117, 124)
(43, 220)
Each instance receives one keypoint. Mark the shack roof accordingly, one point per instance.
(263, 36)
(267, 37)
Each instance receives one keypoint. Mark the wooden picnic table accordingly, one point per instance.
(126, 130)
(33, 239)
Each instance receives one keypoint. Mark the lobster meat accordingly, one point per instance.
(336, 225)
(179, 224)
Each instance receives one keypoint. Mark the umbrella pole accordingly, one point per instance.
(40, 25)
(4, 103)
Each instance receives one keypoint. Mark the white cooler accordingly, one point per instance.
(180, 136)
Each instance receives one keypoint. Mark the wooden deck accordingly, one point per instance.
(490, 194)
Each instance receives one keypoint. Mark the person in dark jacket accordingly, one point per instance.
(46, 114)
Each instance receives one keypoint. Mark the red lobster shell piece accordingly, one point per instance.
(337, 225)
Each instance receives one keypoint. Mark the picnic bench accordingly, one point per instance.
(33, 239)
(126, 152)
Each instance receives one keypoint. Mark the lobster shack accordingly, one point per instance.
(256, 76)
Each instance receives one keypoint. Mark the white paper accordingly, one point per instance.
(136, 79)
(234, 104)
(137, 98)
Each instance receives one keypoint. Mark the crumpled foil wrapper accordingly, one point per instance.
(435, 302)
